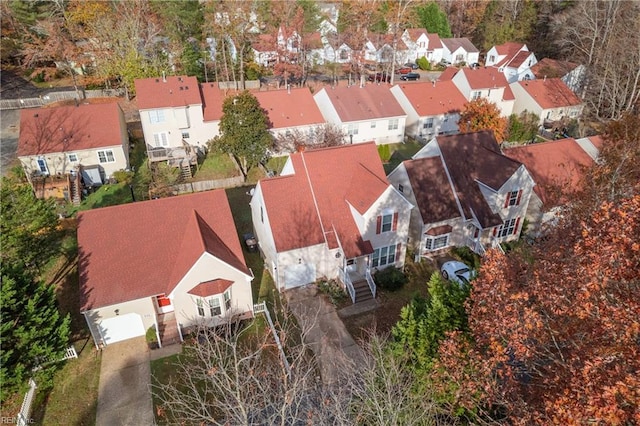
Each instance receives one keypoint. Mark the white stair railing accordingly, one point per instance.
(344, 277)
(371, 282)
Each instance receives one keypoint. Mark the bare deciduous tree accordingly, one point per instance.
(321, 136)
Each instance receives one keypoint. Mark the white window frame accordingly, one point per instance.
(384, 256)
(72, 157)
(156, 116)
(373, 124)
(477, 94)
(393, 124)
(42, 165)
(436, 242)
(428, 123)
(513, 198)
(226, 296)
(185, 134)
(352, 129)
(507, 228)
(214, 304)
(384, 224)
(200, 306)
(106, 156)
(161, 139)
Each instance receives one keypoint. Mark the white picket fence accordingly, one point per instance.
(58, 96)
(23, 416)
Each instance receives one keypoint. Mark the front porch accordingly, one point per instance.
(356, 277)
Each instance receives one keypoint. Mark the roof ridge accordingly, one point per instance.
(204, 227)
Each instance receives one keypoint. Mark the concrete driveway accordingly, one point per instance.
(328, 337)
(124, 395)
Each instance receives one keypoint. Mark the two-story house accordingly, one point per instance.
(572, 74)
(432, 108)
(488, 83)
(171, 114)
(466, 191)
(459, 51)
(61, 147)
(514, 60)
(548, 98)
(331, 213)
(364, 113)
(421, 44)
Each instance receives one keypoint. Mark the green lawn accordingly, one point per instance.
(276, 163)
(216, 166)
(106, 195)
(399, 153)
(73, 398)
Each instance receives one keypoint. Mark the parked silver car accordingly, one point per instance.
(457, 272)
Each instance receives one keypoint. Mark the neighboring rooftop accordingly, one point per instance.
(438, 97)
(166, 92)
(143, 249)
(290, 108)
(372, 101)
(552, 68)
(550, 93)
(69, 128)
(487, 78)
(453, 44)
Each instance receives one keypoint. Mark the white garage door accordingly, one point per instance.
(297, 275)
(122, 327)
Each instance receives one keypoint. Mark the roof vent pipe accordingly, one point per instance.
(164, 77)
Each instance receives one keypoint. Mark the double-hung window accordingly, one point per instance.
(160, 139)
(200, 305)
(106, 156)
(214, 307)
(476, 95)
(73, 158)
(509, 227)
(42, 166)
(393, 124)
(428, 123)
(387, 221)
(227, 300)
(437, 242)
(513, 198)
(352, 129)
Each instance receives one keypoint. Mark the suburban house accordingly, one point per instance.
(265, 50)
(459, 51)
(549, 98)
(63, 149)
(331, 213)
(336, 48)
(421, 44)
(485, 82)
(513, 59)
(466, 191)
(433, 108)
(171, 264)
(365, 113)
(558, 168)
(171, 114)
(572, 74)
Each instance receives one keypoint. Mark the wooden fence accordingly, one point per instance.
(205, 185)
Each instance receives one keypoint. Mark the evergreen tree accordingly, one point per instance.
(434, 19)
(244, 131)
(32, 331)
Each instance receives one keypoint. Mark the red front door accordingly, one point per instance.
(164, 304)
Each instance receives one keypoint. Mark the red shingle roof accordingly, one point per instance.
(454, 43)
(172, 91)
(550, 93)
(142, 249)
(434, 42)
(290, 108)
(448, 73)
(355, 103)
(557, 167)
(212, 99)
(518, 59)
(334, 178)
(509, 48)
(484, 78)
(210, 288)
(415, 33)
(552, 68)
(69, 128)
(434, 98)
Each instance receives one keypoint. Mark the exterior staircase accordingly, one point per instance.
(185, 170)
(75, 190)
(363, 292)
(168, 329)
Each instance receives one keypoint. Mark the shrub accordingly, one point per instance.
(390, 278)
(332, 289)
(423, 63)
(467, 256)
(123, 176)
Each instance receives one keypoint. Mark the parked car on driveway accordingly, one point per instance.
(404, 70)
(380, 76)
(457, 272)
(412, 65)
(412, 76)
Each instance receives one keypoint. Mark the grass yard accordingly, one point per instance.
(399, 153)
(73, 398)
(106, 195)
(276, 164)
(216, 166)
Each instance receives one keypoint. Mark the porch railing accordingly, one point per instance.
(371, 282)
(476, 246)
(344, 277)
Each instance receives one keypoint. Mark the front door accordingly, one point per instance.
(164, 304)
(352, 265)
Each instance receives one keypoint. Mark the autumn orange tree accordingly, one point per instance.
(481, 114)
(554, 327)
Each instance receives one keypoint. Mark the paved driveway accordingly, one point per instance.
(124, 396)
(328, 337)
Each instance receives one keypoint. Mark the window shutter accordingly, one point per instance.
(395, 221)
(398, 251)
(515, 228)
(518, 201)
(495, 230)
(378, 224)
(506, 200)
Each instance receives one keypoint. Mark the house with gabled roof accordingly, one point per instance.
(63, 149)
(466, 191)
(171, 115)
(558, 169)
(331, 213)
(433, 108)
(513, 59)
(168, 264)
(421, 44)
(572, 74)
(365, 113)
(548, 98)
(459, 50)
(488, 83)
